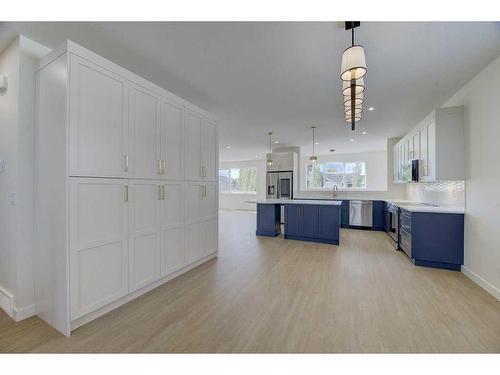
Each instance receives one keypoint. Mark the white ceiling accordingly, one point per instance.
(284, 77)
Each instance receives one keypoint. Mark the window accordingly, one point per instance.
(343, 175)
(238, 180)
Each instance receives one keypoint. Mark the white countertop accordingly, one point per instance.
(297, 201)
(420, 207)
(401, 203)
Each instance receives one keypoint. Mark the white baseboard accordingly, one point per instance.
(104, 310)
(6, 301)
(23, 313)
(486, 285)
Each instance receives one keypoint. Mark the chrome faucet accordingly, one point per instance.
(335, 190)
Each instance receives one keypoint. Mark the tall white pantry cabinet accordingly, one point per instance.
(125, 187)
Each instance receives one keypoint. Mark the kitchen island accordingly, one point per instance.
(304, 220)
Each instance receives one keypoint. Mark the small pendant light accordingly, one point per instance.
(269, 155)
(313, 158)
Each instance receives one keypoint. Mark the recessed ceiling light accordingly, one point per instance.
(316, 143)
(256, 156)
(276, 142)
(228, 147)
(371, 108)
(363, 133)
(351, 140)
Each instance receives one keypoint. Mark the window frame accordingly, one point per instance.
(324, 167)
(230, 189)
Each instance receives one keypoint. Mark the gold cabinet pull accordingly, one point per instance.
(125, 193)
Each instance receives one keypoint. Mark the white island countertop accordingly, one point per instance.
(297, 201)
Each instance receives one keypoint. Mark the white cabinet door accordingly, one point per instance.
(194, 222)
(394, 163)
(98, 121)
(172, 223)
(431, 150)
(144, 233)
(209, 150)
(416, 145)
(428, 150)
(144, 133)
(424, 152)
(171, 140)
(192, 146)
(210, 229)
(98, 214)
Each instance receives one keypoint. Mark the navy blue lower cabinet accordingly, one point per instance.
(293, 220)
(310, 221)
(313, 223)
(434, 239)
(268, 220)
(329, 223)
(378, 216)
(345, 214)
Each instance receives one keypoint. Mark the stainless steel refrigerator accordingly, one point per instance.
(279, 185)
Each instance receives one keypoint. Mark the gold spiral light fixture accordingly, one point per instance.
(352, 72)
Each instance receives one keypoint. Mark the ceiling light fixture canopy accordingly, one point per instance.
(313, 158)
(352, 71)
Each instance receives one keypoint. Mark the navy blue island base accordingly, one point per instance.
(304, 222)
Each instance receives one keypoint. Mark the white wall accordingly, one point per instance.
(17, 116)
(236, 201)
(480, 98)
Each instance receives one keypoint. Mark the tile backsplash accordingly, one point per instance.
(445, 193)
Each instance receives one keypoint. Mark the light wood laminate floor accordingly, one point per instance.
(272, 295)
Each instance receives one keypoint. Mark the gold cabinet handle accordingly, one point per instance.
(125, 193)
(163, 167)
(125, 163)
(159, 166)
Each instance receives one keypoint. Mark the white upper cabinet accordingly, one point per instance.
(144, 133)
(144, 233)
(98, 120)
(192, 146)
(98, 243)
(438, 142)
(209, 150)
(171, 140)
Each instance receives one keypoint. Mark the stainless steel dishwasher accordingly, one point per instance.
(360, 213)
